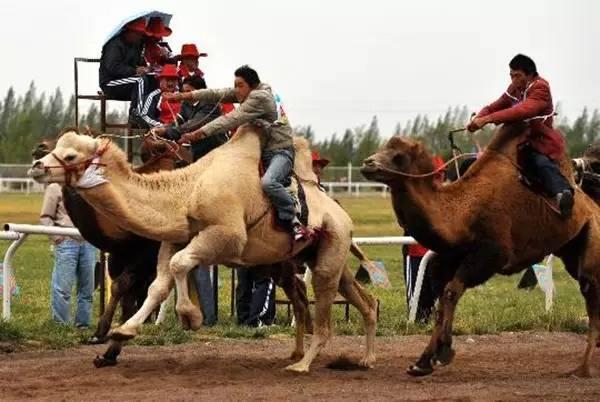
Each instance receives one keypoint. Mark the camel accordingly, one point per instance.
(213, 212)
(486, 223)
(587, 171)
(132, 260)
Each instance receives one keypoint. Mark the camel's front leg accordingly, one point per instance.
(120, 286)
(212, 245)
(157, 292)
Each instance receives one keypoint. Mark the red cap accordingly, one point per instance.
(138, 25)
(316, 159)
(190, 50)
(157, 28)
(169, 71)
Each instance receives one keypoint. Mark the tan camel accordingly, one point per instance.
(485, 223)
(214, 212)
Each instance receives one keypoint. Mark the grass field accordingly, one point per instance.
(496, 306)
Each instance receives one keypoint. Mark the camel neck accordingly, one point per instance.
(147, 205)
(422, 208)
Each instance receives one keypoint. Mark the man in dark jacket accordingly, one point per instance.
(122, 66)
(194, 115)
(528, 99)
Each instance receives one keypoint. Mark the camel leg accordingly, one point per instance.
(367, 305)
(157, 292)
(295, 290)
(476, 268)
(591, 292)
(325, 281)
(214, 244)
(120, 286)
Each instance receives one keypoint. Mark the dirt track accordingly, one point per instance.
(504, 367)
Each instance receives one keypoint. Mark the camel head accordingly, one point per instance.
(398, 155)
(588, 164)
(71, 156)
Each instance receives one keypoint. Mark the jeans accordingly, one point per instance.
(73, 260)
(546, 171)
(279, 164)
(204, 286)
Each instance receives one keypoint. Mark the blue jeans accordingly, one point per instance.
(73, 260)
(279, 164)
(204, 286)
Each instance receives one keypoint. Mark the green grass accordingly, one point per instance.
(497, 306)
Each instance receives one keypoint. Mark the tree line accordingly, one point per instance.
(27, 119)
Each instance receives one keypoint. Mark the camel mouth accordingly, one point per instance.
(37, 174)
(371, 171)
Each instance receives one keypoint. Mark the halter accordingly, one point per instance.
(75, 168)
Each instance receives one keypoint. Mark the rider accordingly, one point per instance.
(528, 99)
(256, 102)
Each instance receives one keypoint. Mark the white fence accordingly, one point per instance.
(18, 233)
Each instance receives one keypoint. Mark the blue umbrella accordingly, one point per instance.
(166, 19)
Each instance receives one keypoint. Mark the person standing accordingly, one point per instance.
(74, 262)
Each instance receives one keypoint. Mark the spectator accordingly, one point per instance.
(158, 111)
(254, 298)
(188, 65)
(74, 261)
(122, 67)
(156, 52)
(194, 114)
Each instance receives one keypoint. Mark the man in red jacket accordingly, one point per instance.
(528, 99)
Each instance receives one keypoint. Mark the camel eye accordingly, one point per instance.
(70, 158)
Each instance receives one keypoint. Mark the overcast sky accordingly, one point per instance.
(335, 63)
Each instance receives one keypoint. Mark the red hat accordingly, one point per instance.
(138, 25)
(168, 71)
(157, 28)
(190, 50)
(316, 159)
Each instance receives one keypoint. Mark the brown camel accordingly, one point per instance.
(485, 223)
(213, 212)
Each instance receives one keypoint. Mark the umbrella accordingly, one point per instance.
(166, 19)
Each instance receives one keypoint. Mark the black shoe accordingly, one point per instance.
(565, 203)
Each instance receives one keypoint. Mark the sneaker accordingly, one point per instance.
(299, 232)
(565, 203)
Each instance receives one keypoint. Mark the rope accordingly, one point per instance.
(424, 175)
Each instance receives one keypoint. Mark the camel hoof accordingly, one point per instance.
(417, 371)
(580, 372)
(297, 355)
(190, 318)
(297, 368)
(367, 362)
(121, 335)
(101, 361)
(444, 355)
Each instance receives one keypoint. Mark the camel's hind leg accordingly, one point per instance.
(295, 290)
(582, 260)
(214, 244)
(367, 305)
(330, 263)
